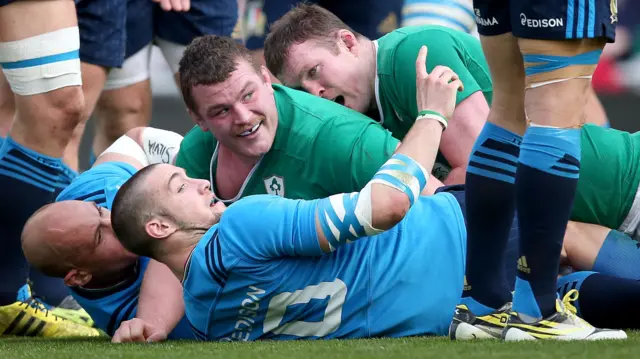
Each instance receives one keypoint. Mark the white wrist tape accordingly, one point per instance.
(161, 146)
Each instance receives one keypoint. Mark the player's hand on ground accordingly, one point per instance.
(436, 91)
(174, 5)
(137, 330)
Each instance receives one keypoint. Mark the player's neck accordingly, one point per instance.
(111, 279)
(176, 256)
(370, 56)
(231, 172)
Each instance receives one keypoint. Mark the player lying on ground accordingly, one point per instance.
(73, 239)
(326, 286)
(270, 139)
(310, 48)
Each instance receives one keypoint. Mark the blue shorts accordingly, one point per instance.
(511, 254)
(206, 17)
(371, 18)
(112, 30)
(6, 2)
(547, 19)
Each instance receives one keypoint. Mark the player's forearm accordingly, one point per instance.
(160, 302)
(389, 204)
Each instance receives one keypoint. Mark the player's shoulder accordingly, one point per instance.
(306, 121)
(96, 179)
(209, 264)
(110, 306)
(197, 139)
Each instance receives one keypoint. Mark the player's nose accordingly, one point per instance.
(203, 186)
(314, 88)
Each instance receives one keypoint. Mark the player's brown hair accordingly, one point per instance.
(302, 23)
(131, 210)
(209, 60)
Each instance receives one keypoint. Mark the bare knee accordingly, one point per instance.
(121, 110)
(68, 104)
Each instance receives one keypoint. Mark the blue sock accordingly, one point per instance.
(548, 172)
(606, 124)
(28, 181)
(604, 301)
(490, 202)
(619, 256)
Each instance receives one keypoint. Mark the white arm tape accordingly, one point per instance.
(125, 145)
(160, 146)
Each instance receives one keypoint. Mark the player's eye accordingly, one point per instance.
(222, 112)
(248, 96)
(313, 71)
(181, 188)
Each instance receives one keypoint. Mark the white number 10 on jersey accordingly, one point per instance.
(336, 291)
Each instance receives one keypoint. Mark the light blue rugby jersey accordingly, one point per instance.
(260, 274)
(109, 307)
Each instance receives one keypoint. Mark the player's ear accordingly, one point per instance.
(160, 227)
(198, 120)
(77, 278)
(349, 40)
(266, 77)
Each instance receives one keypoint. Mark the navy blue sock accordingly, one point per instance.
(619, 256)
(28, 181)
(546, 181)
(604, 301)
(490, 201)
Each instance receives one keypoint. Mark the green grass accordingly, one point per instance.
(19, 348)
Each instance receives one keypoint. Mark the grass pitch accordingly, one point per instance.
(23, 348)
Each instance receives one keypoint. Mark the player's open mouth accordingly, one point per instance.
(251, 131)
(339, 100)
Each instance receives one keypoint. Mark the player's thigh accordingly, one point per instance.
(259, 14)
(380, 18)
(7, 106)
(502, 53)
(561, 43)
(23, 19)
(594, 111)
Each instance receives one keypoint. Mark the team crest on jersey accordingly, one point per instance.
(613, 7)
(274, 185)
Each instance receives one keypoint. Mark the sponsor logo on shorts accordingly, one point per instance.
(537, 23)
(483, 20)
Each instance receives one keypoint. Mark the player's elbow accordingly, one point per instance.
(390, 208)
(136, 134)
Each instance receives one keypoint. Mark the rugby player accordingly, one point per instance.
(39, 56)
(537, 173)
(72, 239)
(381, 17)
(253, 137)
(110, 32)
(327, 286)
(312, 49)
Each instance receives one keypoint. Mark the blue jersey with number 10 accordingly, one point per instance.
(108, 307)
(265, 276)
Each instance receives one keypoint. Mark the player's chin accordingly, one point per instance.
(259, 146)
